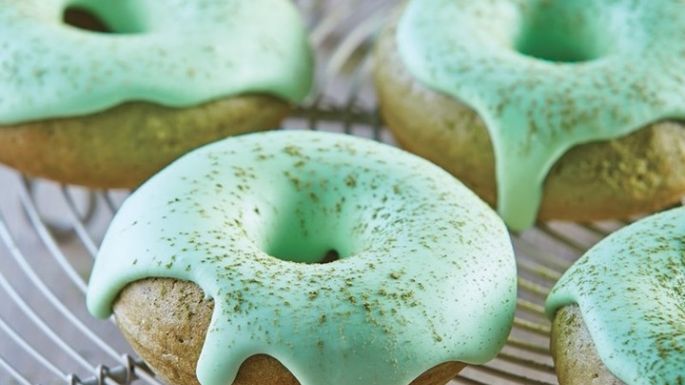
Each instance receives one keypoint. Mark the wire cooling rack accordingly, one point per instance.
(49, 237)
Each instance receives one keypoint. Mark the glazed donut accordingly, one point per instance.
(110, 109)
(572, 96)
(618, 311)
(425, 277)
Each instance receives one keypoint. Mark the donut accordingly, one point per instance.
(558, 110)
(217, 270)
(618, 313)
(81, 106)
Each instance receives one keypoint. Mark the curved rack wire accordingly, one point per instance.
(49, 237)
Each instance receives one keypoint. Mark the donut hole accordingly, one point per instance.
(297, 238)
(296, 254)
(296, 228)
(320, 219)
(102, 17)
(563, 31)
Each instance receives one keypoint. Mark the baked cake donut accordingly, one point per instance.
(215, 267)
(558, 110)
(110, 109)
(619, 313)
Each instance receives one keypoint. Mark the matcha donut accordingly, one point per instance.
(216, 274)
(618, 312)
(110, 109)
(560, 110)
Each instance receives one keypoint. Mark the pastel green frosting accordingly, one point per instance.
(427, 273)
(546, 75)
(172, 52)
(630, 289)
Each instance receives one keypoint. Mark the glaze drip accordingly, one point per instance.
(426, 274)
(175, 53)
(602, 70)
(630, 289)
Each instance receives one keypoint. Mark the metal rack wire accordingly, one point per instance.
(49, 236)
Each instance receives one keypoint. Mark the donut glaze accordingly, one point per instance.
(175, 53)
(426, 274)
(548, 75)
(630, 289)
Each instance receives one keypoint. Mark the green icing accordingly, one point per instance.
(426, 274)
(631, 291)
(546, 75)
(174, 52)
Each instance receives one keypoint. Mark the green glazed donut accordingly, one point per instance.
(426, 273)
(542, 76)
(628, 293)
(110, 109)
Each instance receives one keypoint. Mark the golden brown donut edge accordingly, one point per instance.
(165, 321)
(575, 356)
(122, 146)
